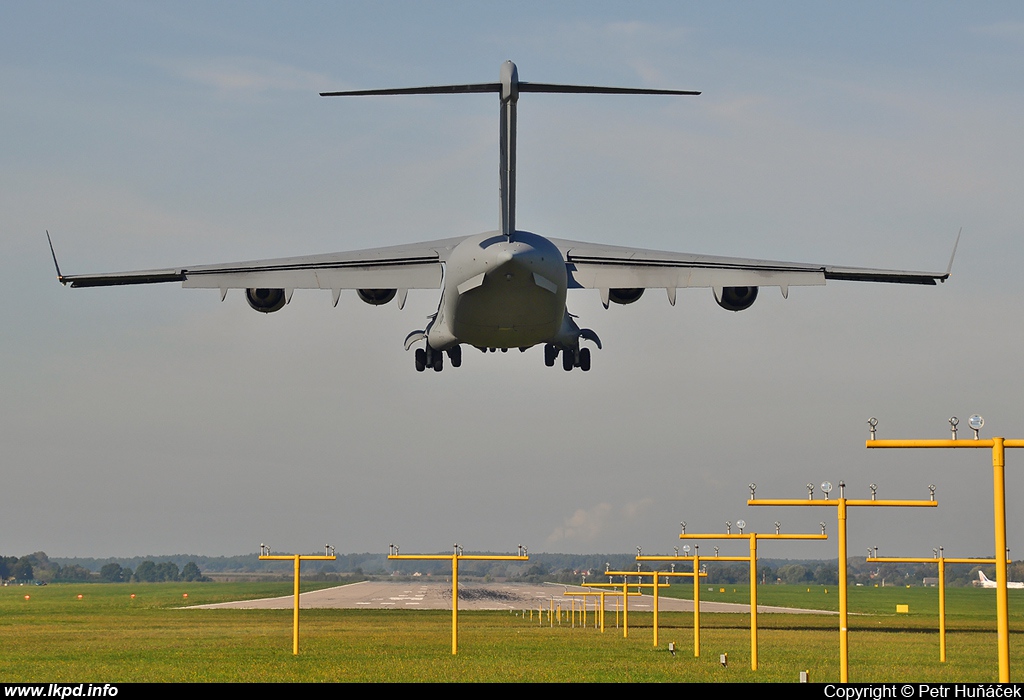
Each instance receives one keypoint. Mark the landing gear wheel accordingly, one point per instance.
(438, 361)
(421, 359)
(585, 359)
(550, 353)
(567, 360)
(455, 355)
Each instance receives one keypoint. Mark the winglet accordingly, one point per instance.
(949, 268)
(60, 277)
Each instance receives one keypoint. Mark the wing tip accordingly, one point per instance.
(56, 265)
(956, 243)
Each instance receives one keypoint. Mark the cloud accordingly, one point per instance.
(586, 525)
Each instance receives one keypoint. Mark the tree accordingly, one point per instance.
(22, 570)
(168, 571)
(7, 567)
(112, 573)
(826, 574)
(146, 572)
(191, 572)
(793, 573)
(73, 572)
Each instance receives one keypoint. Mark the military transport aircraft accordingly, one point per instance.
(506, 288)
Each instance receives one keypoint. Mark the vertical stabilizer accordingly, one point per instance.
(507, 137)
(509, 88)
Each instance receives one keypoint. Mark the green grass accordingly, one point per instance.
(960, 602)
(108, 637)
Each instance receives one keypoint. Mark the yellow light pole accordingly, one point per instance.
(456, 556)
(695, 575)
(297, 558)
(840, 504)
(599, 601)
(941, 561)
(998, 446)
(665, 574)
(752, 537)
(640, 585)
(625, 599)
(656, 574)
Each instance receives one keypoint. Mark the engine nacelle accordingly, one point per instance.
(265, 300)
(625, 295)
(377, 297)
(737, 298)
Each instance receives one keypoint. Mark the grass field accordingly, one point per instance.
(108, 637)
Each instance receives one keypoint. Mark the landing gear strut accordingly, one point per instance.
(550, 353)
(584, 363)
(429, 357)
(580, 358)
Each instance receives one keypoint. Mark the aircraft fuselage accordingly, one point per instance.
(502, 293)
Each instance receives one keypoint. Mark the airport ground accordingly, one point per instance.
(159, 635)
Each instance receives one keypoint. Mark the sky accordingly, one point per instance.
(156, 420)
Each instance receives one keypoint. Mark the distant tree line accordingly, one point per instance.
(542, 567)
(38, 567)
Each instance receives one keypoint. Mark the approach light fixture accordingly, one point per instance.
(976, 422)
(953, 422)
(872, 424)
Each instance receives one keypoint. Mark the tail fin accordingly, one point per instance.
(509, 87)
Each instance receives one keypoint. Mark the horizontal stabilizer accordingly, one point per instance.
(598, 90)
(496, 87)
(429, 90)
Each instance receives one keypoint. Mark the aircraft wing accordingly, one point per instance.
(594, 266)
(416, 266)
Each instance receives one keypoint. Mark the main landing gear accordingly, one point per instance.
(429, 357)
(580, 358)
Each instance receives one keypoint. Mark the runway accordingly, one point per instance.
(437, 595)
